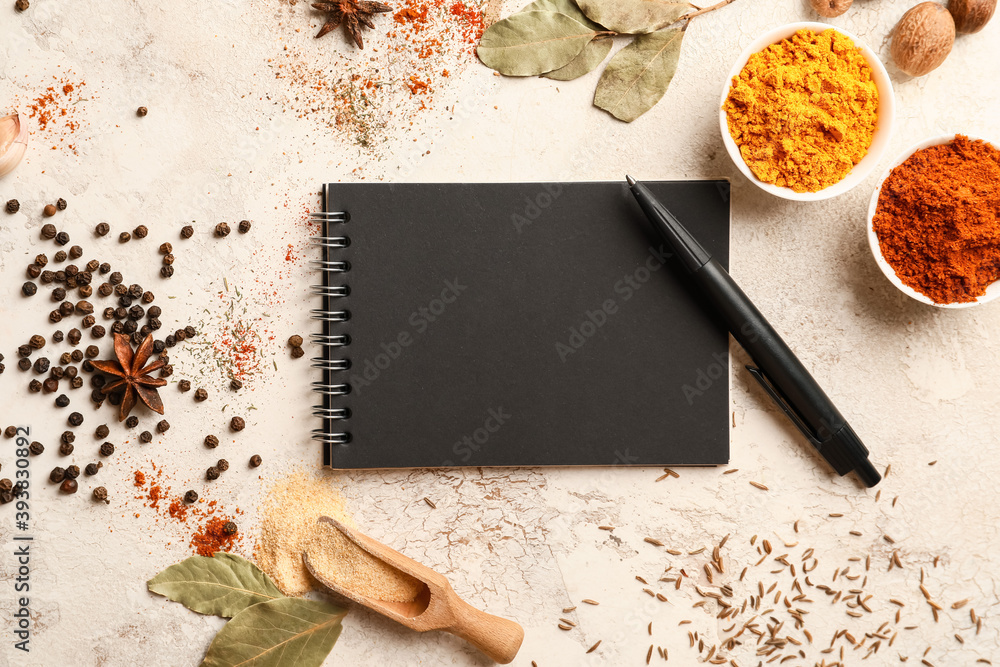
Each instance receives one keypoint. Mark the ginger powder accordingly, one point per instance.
(803, 111)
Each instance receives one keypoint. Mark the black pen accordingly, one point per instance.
(777, 369)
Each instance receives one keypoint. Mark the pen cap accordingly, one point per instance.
(846, 452)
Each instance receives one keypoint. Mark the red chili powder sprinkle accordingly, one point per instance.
(140, 478)
(212, 537)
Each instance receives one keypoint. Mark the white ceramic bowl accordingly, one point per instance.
(883, 131)
(992, 292)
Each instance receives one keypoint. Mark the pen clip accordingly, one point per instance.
(788, 409)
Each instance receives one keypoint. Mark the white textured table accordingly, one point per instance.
(234, 132)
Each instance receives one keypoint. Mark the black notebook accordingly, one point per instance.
(517, 324)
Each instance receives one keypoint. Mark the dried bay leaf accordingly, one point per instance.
(634, 16)
(222, 585)
(279, 633)
(531, 43)
(592, 55)
(638, 75)
(567, 7)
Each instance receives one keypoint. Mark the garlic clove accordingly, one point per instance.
(13, 142)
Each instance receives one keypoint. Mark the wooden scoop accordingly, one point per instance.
(436, 607)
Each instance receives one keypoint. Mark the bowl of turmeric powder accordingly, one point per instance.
(934, 222)
(807, 111)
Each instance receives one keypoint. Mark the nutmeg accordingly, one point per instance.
(971, 15)
(923, 38)
(830, 8)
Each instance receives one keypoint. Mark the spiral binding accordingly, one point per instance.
(331, 315)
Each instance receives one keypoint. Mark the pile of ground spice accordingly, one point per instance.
(803, 111)
(335, 558)
(55, 111)
(938, 220)
(288, 522)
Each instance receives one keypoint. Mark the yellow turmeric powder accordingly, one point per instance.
(803, 110)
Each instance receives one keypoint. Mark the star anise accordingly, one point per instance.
(136, 379)
(352, 13)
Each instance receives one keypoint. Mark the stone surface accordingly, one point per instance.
(226, 139)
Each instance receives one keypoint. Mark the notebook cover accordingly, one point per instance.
(527, 324)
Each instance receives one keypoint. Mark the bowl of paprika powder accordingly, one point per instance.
(934, 222)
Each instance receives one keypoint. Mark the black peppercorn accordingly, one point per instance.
(61, 204)
(10, 431)
(34, 271)
(57, 475)
(180, 335)
(229, 528)
(13, 206)
(190, 331)
(48, 231)
(154, 311)
(66, 308)
(41, 365)
(117, 327)
(92, 351)
(97, 396)
(212, 473)
(115, 278)
(211, 441)
(101, 494)
(60, 256)
(105, 289)
(132, 421)
(140, 232)
(163, 426)
(75, 252)
(235, 384)
(255, 461)
(244, 226)
(93, 265)
(62, 400)
(107, 449)
(104, 268)
(154, 324)
(200, 394)
(92, 468)
(102, 229)
(191, 496)
(297, 352)
(66, 448)
(121, 290)
(128, 326)
(84, 278)
(168, 260)
(186, 232)
(166, 371)
(170, 341)
(62, 238)
(57, 336)
(147, 297)
(222, 465)
(75, 419)
(166, 271)
(124, 237)
(102, 431)
(58, 294)
(222, 229)
(76, 382)
(47, 277)
(84, 307)
(86, 291)
(57, 372)
(97, 331)
(145, 436)
(136, 312)
(36, 448)
(74, 336)
(125, 302)
(141, 111)
(24, 363)
(184, 385)
(24, 350)
(69, 486)
(86, 366)
(135, 291)
(65, 358)
(158, 346)
(137, 338)
(34, 386)
(121, 312)
(67, 437)
(37, 342)
(41, 259)
(29, 289)
(237, 424)
(73, 471)
(50, 385)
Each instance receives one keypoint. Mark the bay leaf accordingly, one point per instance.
(592, 55)
(222, 585)
(531, 43)
(567, 7)
(638, 75)
(634, 16)
(282, 632)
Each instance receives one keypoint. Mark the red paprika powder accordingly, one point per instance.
(938, 220)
